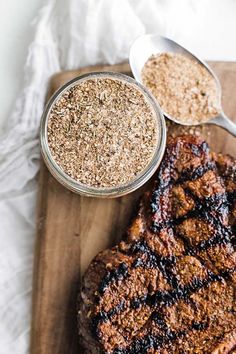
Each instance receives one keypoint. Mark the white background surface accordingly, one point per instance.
(16, 34)
(214, 38)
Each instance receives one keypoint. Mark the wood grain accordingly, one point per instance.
(73, 229)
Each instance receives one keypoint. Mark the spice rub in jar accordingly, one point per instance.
(102, 132)
(184, 88)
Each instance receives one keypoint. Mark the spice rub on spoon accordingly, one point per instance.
(186, 88)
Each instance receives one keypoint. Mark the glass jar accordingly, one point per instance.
(107, 192)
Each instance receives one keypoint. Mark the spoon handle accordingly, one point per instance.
(223, 121)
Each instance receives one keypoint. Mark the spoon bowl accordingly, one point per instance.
(149, 44)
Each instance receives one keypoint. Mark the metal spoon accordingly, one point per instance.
(146, 45)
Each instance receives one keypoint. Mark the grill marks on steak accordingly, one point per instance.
(169, 287)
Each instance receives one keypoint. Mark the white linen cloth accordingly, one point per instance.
(71, 34)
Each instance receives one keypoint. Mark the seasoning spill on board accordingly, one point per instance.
(102, 132)
(201, 130)
(183, 87)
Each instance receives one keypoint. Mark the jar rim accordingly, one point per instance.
(87, 190)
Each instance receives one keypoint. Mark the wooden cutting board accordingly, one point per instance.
(73, 229)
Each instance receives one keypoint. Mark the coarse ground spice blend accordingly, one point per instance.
(184, 88)
(102, 132)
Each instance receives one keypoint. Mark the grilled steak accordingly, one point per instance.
(169, 286)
